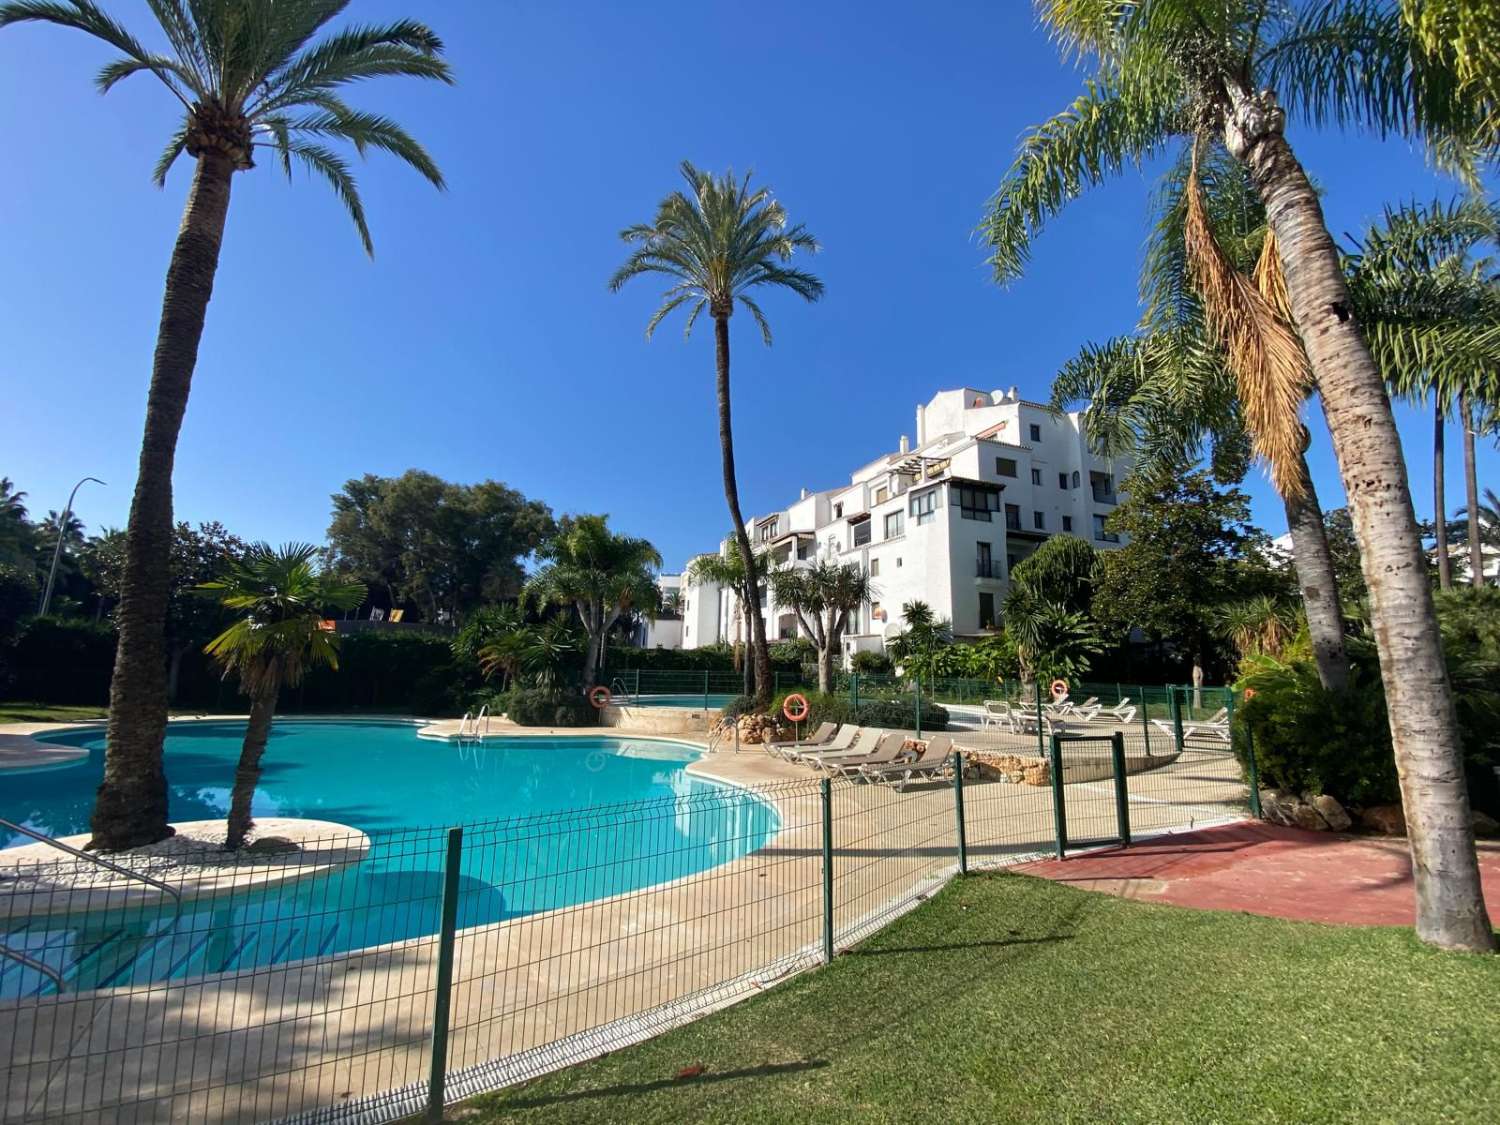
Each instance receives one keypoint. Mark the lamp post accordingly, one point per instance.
(62, 525)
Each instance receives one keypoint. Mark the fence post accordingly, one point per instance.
(1146, 722)
(958, 811)
(1252, 771)
(1059, 806)
(705, 689)
(1122, 790)
(1176, 718)
(854, 688)
(442, 999)
(917, 685)
(827, 793)
(1041, 732)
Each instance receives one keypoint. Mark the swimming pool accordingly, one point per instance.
(712, 700)
(524, 849)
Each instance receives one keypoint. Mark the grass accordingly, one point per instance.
(48, 712)
(1009, 998)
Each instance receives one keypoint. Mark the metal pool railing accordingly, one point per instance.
(380, 977)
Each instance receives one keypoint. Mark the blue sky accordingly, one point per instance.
(482, 341)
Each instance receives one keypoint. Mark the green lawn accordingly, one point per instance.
(47, 712)
(1011, 999)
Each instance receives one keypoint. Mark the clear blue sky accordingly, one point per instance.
(482, 342)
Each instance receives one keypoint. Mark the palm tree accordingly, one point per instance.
(1168, 70)
(248, 76)
(281, 597)
(718, 241)
(727, 570)
(1481, 527)
(1432, 311)
(600, 574)
(1168, 391)
(822, 596)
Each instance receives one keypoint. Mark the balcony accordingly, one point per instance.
(1103, 495)
(1106, 537)
(988, 568)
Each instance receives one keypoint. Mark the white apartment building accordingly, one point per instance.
(943, 521)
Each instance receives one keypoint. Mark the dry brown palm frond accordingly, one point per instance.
(1269, 278)
(1260, 347)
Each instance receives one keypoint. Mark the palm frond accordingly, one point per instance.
(333, 168)
(170, 154)
(370, 130)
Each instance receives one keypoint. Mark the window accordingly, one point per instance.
(1062, 481)
(1005, 466)
(768, 529)
(1039, 521)
(895, 524)
(898, 562)
(862, 533)
(806, 549)
(924, 506)
(838, 511)
(1036, 477)
(1011, 560)
(687, 630)
(986, 610)
(1013, 517)
(874, 568)
(975, 503)
(1103, 535)
(985, 566)
(1076, 479)
(762, 597)
(882, 494)
(1036, 432)
(1067, 523)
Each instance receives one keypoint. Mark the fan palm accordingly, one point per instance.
(728, 570)
(600, 574)
(280, 596)
(1169, 70)
(718, 241)
(249, 75)
(822, 596)
(1432, 311)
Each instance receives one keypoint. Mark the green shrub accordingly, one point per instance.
(868, 662)
(897, 714)
(60, 660)
(535, 707)
(739, 705)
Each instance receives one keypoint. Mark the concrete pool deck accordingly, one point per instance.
(539, 991)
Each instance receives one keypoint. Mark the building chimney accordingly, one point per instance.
(1014, 395)
(905, 445)
(803, 496)
(921, 424)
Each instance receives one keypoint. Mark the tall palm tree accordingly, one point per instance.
(822, 596)
(248, 74)
(1481, 531)
(281, 597)
(600, 574)
(1431, 306)
(718, 241)
(1169, 70)
(1167, 392)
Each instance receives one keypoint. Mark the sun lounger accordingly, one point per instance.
(996, 714)
(1217, 726)
(930, 762)
(817, 738)
(849, 741)
(887, 750)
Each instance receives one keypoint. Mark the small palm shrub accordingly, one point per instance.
(539, 707)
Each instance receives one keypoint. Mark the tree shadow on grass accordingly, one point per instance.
(768, 1070)
(951, 946)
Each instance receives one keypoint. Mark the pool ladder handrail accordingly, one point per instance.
(617, 687)
(469, 726)
(98, 861)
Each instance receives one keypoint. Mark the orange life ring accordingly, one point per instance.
(600, 697)
(795, 707)
(1249, 693)
(1058, 689)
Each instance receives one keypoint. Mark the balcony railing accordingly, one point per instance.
(988, 568)
(1107, 536)
(1104, 495)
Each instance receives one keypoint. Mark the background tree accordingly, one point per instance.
(601, 574)
(1178, 566)
(248, 75)
(922, 648)
(1479, 531)
(444, 548)
(1165, 70)
(280, 597)
(727, 570)
(822, 596)
(718, 241)
(1339, 527)
(1047, 610)
(18, 536)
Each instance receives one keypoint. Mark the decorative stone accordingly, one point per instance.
(1386, 820)
(1332, 812)
(1305, 816)
(272, 845)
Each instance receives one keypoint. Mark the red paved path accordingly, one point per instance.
(1266, 869)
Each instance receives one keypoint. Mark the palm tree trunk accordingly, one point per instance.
(1313, 563)
(1471, 493)
(761, 653)
(130, 808)
(1439, 496)
(825, 666)
(1424, 729)
(247, 772)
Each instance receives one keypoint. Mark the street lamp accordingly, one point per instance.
(62, 526)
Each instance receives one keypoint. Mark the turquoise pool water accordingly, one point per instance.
(712, 700)
(524, 850)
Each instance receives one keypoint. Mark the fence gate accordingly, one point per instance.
(1090, 794)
